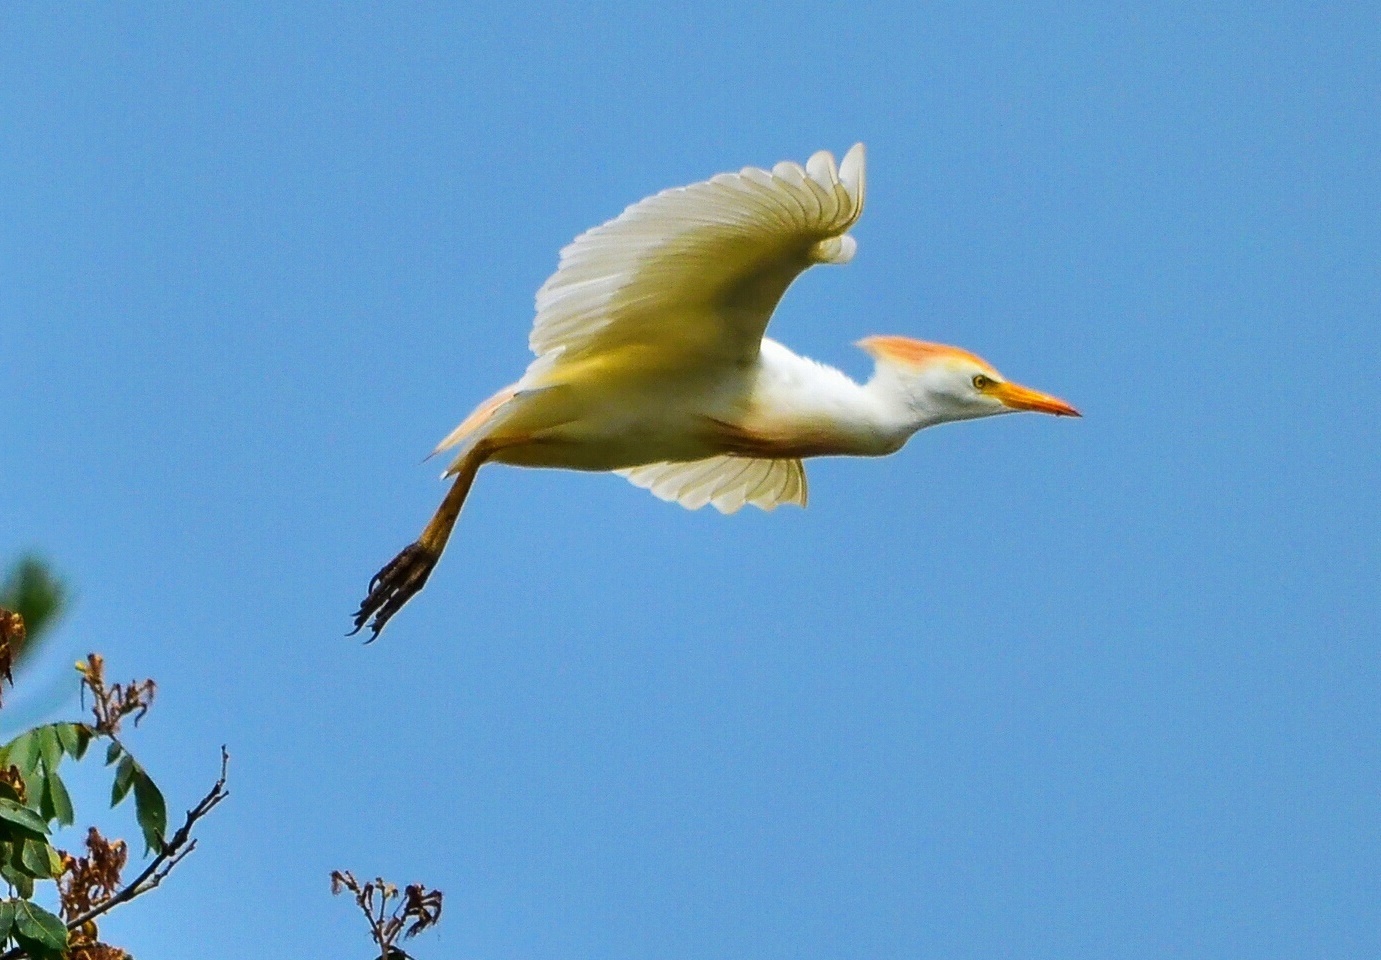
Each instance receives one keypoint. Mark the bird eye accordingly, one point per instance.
(981, 382)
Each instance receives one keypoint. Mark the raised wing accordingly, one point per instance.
(694, 273)
(727, 483)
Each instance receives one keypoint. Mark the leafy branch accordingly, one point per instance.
(33, 798)
(174, 852)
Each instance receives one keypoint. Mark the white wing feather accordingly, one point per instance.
(726, 483)
(695, 272)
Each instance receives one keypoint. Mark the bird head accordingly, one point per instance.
(939, 383)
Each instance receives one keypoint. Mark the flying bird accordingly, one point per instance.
(652, 364)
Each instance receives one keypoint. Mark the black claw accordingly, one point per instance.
(392, 587)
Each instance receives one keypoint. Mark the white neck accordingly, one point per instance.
(913, 409)
(798, 396)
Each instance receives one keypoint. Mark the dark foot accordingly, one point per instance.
(394, 586)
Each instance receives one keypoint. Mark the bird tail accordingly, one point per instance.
(489, 417)
(473, 428)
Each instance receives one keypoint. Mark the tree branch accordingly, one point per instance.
(174, 851)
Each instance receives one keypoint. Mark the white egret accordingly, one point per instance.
(651, 361)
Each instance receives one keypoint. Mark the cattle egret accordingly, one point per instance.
(651, 362)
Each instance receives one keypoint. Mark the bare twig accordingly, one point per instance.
(174, 851)
(418, 909)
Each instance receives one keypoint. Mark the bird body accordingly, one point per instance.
(652, 361)
(593, 416)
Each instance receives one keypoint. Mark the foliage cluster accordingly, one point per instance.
(34, 802)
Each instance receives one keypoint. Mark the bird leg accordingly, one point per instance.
(406, 574)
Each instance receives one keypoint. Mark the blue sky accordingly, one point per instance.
(1031, 688)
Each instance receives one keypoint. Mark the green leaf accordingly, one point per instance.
(23, 818)
(45, 807)
(49, 747)
(34, 923)
(60, 802)
(39, 859)
(67, 736)
(74, 738)
(112, 753)
(84, 738)
(36, 791)
(124, 779)
(37, 951)
(23, 883)
(9, 833)
(6, 918)
(150, 810)
(23, 752)
(16, 859)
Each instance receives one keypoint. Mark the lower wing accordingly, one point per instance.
(726, 483)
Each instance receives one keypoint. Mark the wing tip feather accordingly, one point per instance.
(821, 197)
(853, 174)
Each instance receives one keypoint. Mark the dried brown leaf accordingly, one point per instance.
(12, 636)
(112, 703)
(89, 881)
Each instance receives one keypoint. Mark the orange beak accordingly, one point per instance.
(1018, 397)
